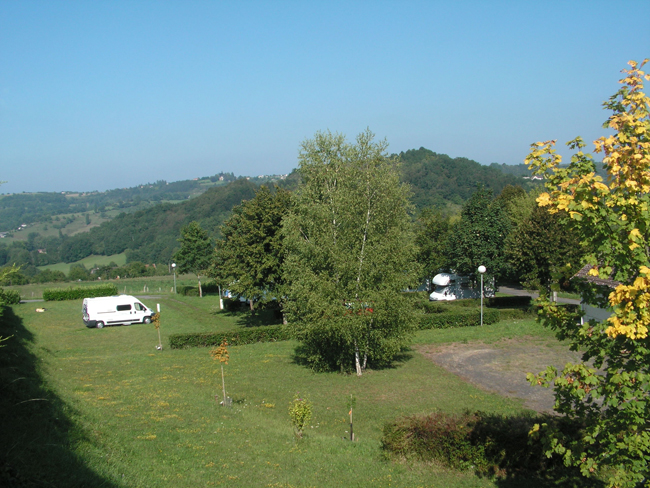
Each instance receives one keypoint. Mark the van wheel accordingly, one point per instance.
(146, 320)
(100, 325)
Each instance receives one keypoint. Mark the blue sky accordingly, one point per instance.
(97, 95)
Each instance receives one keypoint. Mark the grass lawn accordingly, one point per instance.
(114, 411)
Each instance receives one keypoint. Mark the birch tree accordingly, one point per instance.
(350, 252)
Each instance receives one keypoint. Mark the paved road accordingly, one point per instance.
(526, 293)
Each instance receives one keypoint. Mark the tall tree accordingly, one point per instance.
(350, 253)
(431, 232)
(543, 251)
(478, 238)
(609, 392)
(249, 255)
(195, 253)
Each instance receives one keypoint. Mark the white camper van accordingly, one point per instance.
(117, 310)
(454, 287)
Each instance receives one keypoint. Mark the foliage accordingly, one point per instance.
(458, 318)
(437, 179)
(431, 232)
(491, 444)
(58, 294)
(254, 335)
(300, 412)
(542, 250)
(478, 238)
(249, 256)
(610, 390)
(349, 253)
(195, 252)
(9, 297)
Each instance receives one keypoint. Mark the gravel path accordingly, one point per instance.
(501, 367)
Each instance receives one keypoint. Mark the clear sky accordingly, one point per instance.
(96, 95)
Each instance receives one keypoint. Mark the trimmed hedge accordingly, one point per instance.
(234, 338)
(508, 302)
(59, 294)
(458, 318)
(208, 288)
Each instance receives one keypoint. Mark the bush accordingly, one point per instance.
(208, 288)
(234, 338)
(9, 297)
(58, 294)
(458, 318)
(491, 444)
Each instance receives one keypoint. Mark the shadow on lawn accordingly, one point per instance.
(259, 318)
(303, 356)
(38, 438)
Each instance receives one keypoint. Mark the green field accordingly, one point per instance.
(89, 262)
(103, 407)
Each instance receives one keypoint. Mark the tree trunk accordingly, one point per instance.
(200, 290)
(250, 302)
(357, 363)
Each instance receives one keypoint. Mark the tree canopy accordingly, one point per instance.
(609, 392)
(478, 238)
(249, 255)
(350, 252)
(195, 253)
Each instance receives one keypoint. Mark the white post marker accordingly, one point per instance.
(220, 299)
(482, 269)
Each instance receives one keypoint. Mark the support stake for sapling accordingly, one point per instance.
(221, 354)
(351, 403)
(156, 323)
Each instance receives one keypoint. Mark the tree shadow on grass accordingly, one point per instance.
(37, 437)
(302, 356)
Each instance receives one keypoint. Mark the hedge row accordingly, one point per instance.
(59, 294)
(234, 338)
(508, 302)
(458, 318)
(207, 288)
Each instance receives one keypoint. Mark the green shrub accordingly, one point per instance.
(491, 444)
(234, 338)
(208, 288)
(458, 318)
(9, 297)
(59, 294)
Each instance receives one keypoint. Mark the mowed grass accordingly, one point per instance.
(142, 417)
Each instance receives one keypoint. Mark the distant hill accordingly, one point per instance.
(437, 179)
(27, 208)
(148, 227)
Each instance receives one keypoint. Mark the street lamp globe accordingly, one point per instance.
(481, 269)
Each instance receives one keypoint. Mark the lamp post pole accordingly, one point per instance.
(174, 268)
(481, 269)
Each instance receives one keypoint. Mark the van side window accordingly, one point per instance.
(122, 308)
(139, 306)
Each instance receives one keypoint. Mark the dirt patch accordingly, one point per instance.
(501, 367)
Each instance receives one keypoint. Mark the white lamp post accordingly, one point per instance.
(481, 269)
(174, 268)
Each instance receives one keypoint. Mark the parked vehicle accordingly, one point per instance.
(450, 286)
(116, 310)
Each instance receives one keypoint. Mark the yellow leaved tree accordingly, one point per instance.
(608, 394)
